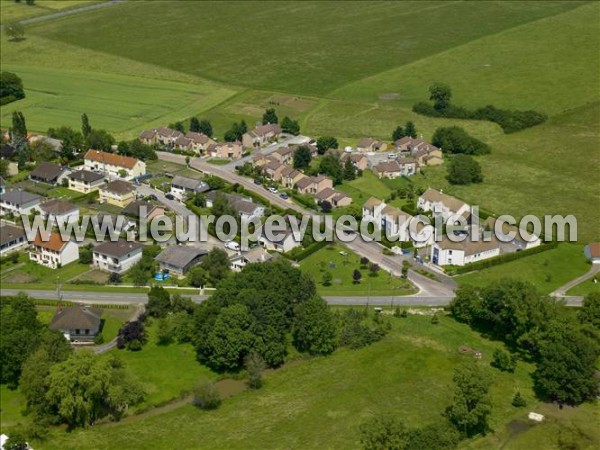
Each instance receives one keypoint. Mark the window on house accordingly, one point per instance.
(77, 331)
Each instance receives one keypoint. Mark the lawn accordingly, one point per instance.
(124, 105)
(164, 370)
(12, 403)
(321, 402)
(33, 273)
(585, 288)
(11, 11)
(341, 267)
(547, 270)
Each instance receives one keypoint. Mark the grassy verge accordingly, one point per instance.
(547, 271)
(330, 260)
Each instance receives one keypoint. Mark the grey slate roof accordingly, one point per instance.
(85, 176)
(179, 255)
(47, 171)
(76, 317)
(9, 233)
(118, 248)
(20, 198)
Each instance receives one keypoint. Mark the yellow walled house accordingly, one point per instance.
(119, 193)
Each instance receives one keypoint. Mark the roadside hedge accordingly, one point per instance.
(501, 259)
(305, 253)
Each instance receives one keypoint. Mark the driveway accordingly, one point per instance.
(562, 291)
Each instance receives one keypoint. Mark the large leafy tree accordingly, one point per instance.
(290, 126)
(471, 406)
(590, 310)
(216, 264)
(440, 94)
(19, 126)
(85, 388)
(315, 328)
(464, 169)
(270, 116)
(271, 292)
(325, 143)
(11, 87)
(159, 302)
(302, 157)
(86, 128)
(19, 336)
(331, 166)
(456, 140)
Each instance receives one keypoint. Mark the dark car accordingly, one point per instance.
(284, 196)
(257, 182)
(153, 197)
(169, 196)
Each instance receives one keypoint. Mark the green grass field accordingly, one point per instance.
(547, 271)
(165, 371)
(11, 11)
(329, 259)
(125, 105)
(322, 401)
(585, 288)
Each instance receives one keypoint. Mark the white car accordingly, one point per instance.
(232, 245)
(273, 189)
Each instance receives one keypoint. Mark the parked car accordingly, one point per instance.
(153, 197)
(284, 196)
(257, 182)
(273, 189)
(391, 155)
(169, 196)
(232, 245)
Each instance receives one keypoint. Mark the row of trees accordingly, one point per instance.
(564, 347)
(509, 120)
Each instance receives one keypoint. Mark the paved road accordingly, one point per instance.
(562, 291)
(121, 298)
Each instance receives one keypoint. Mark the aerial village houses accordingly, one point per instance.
(19, 202)
(114, 165)
(117, 257)
(447, 252)
(167, 136)
(423, 152)
(440, 203)
(244, 207)
(119, 193)
(273, 170)
(232, 150)
(199, 142)
(12, 238)
(281, 241)
(77, 323)
(284, 155)
(393, 169)
(85, 181)
(57, 212)
(177, 260)
(313, 185)
(50, 173)
(53, 252)
(261, 135)
(397, 224)
(289, 177)
(143, 210)
(182, 187)
(359, 160)
(370, 145)
(252, 256)
(335, 198)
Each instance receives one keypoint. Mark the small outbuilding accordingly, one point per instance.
(592, 252)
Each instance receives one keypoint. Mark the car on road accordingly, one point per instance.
(169, 196)
(273, 189)
(153, 197)
(284, 196)
(257, 182)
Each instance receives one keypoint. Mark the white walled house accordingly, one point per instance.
(117, 257)
(440, 203)
(283, 244)
(58, 211)
(19, 202)
(181, 187)
(522, 238)
(53, 252)
(372, 210)
(112, 164)
(447, 252)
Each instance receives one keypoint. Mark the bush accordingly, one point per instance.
(456, 140)
(504, 361)
(518, 401)
(207, 396)
(99, 339)
(435, 319)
